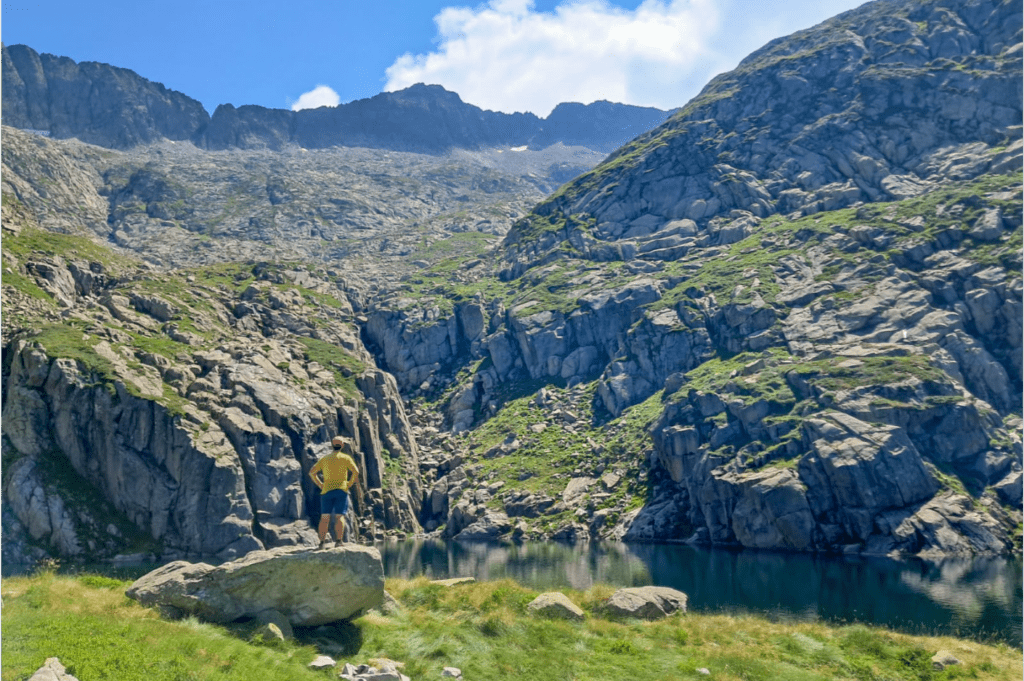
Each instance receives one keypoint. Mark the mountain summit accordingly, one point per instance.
(117, 108)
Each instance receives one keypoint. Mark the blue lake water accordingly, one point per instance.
(973, 597)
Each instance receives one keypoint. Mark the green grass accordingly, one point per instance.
(465, 245)
(70, 340)
(98, 633)
(25, 285)
(544, 455)
(482, 628)
(335, 359)
(33, 241)
(723, 375)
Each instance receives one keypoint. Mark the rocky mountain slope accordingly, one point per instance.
(121, 269)
(807, 283)
(174, 204)
(789, 317)
(117, 108)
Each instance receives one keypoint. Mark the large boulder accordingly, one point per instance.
(646, 602)
(310, 588)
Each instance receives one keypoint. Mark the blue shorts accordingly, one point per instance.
(334, 502)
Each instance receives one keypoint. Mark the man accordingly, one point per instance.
(334, 485)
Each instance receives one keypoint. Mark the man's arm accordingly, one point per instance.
(314, 473)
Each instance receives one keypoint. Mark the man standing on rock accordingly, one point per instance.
(334, 485)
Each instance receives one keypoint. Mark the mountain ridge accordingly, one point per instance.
(45, 93)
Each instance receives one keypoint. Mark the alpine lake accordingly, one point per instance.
(973, 597)
(976, 597)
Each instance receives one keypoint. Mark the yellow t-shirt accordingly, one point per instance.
(335, 468)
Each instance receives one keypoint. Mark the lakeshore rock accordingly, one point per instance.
(307, 587)
(646, 602)
(556, 604)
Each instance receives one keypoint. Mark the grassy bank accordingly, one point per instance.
(482, 628)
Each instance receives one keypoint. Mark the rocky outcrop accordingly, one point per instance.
(205, 450)
(309, 588)
(645, 602)
(45, 516)
(97, 103)
(749, 473)
(885, 112)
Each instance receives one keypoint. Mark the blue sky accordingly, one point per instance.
(504, 55)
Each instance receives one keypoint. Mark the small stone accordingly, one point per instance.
(381, 675)
(391, 606)
(703, 671)
(322, 662)
(270, 632)
(648, 602)
(278, 619)
(451, 673)
(943, 659)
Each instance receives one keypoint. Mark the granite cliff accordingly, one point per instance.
(807, 282)
(788, 317)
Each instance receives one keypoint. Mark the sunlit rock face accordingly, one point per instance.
(789, 317)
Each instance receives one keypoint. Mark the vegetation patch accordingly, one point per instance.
(34, 241)
(343, 365)
(482, 628)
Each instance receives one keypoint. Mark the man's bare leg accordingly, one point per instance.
(339, 528)
(325, 523)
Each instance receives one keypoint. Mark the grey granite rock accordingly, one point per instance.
(308, 587)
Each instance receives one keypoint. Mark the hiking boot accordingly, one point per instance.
(339, 543)
(324, 544)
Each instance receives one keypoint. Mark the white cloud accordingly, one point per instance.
(508, 57)
(319, 96)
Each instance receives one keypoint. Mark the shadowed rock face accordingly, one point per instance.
(309, 588)
(97, 103)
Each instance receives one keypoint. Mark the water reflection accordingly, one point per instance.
(978, 597)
